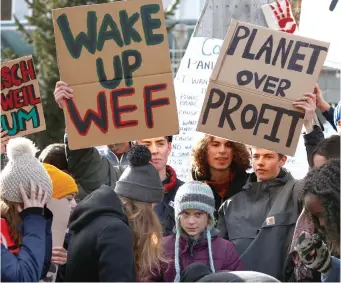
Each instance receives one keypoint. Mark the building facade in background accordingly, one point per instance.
(184, 22)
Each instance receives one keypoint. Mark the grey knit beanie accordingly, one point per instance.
(193, 195)
(140, 180)
(22, 168)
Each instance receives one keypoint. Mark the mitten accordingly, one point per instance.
(313, 252)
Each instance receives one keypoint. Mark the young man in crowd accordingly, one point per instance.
(161, 148)
(222, 164)
(260, 220)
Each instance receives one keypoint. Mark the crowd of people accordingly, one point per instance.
(133, 220)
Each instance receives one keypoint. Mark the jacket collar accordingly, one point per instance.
(283, 177)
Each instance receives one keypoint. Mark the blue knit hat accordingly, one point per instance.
(337, 113)
(193, 195)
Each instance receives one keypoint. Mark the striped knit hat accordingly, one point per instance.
(193, 195)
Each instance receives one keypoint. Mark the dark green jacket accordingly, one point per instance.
(90, 169)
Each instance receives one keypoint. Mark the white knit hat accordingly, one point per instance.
(193, 195)
(21, 168)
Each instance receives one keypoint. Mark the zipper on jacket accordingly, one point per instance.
(192, 243)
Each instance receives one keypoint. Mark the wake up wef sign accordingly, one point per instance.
(115, 56)
(258, 74)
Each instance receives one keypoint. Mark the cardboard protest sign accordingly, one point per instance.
(21, 105)
(259, 73)
(61, 214)
(115, 56)
(320, 19)
(190, 87)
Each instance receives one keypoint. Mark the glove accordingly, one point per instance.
(313, 252)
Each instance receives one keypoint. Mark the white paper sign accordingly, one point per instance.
(190, 88)
(321, 19)
(61, 214)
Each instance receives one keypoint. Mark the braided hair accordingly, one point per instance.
(324, 183)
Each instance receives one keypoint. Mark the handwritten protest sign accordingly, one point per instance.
(115, 56)
(21, 106)
(61, 214)
(259, 73)
(190, 87)
(320, 20)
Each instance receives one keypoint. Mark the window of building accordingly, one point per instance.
(6, 10)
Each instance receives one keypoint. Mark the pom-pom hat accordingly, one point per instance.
(140, 180)
(22, 168)
(193, 195)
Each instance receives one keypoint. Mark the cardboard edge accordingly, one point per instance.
(26, 57)
(222, 55)
(70, 144)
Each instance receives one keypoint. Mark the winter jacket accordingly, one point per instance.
(312, 140)
(31, 261)
(90, 169)
(224, 255)
(329, 115)
(165, 209)
(234, 187)
(121, 163)
(260, 220)
(101, 241)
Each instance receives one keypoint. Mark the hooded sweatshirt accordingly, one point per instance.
(101, 245)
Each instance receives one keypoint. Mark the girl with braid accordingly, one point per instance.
(321, 197)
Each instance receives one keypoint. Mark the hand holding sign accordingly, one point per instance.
(307, 104)
(320, 102)
(61, 92)
(59, 255)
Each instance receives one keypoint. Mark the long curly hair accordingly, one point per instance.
(324, 183)
(147, 234)
(10, 213)
(240, 163)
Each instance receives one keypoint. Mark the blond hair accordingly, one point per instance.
(147, 235)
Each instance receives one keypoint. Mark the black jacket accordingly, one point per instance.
(329, 115)
(311, 141)
(165, 209)
(101, 243)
